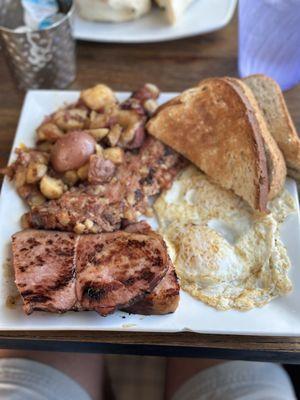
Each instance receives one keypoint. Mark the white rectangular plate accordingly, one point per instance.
(201, 17)
(280, 317)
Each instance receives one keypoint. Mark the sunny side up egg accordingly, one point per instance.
(225, 254)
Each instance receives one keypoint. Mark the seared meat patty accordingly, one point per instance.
(116, 269)
(165, 297)
(44, 265)
(59, 271)
(104, 208)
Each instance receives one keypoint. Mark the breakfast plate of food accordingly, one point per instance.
(140, 21)
(155, 212)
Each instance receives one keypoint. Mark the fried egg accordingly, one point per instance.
(225, 254)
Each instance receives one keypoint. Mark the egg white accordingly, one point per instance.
(225, 254)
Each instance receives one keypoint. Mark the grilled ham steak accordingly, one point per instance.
(58, 271)
(44, 265)
(165, 297)
(163, 300)
(116, 269)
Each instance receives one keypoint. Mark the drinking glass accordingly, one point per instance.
(269, 40)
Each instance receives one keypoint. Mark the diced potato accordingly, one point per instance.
(99, 150)
(98, 97)
(63, 218)
(49, 132)
(35, 172)
(129, 214)
(131, 199)
(26, 191)
(83, 171)
(115, 154)
(98, 133)
(89, 224)
(130, 121)
(70, 177)
(99, 121)
(71, 119)
(20, 177)
(150, 106)
(45, 146)
(79, 228)
(153, 89)
(51, 188)
(114, 134)
(36, 199)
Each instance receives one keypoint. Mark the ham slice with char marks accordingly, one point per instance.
(60, 271)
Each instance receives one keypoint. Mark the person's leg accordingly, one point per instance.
(180, 370)
(85, 369)
(235, 380)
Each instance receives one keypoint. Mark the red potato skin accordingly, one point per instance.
(72, 151)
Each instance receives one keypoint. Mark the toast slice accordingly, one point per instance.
(174, 8)
(215, 126)
(275, 162)
(271, 101)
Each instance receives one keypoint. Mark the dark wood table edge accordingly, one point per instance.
(181, 344)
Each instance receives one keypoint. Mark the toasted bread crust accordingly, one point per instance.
(270, 99)
(197, 124)
(275, 161)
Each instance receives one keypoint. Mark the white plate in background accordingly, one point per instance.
(281, 317)
(202, 16)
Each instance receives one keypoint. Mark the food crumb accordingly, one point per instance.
(128, 325)
(7, 268)
(12, 301)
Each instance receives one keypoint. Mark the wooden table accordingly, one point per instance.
(173, 66)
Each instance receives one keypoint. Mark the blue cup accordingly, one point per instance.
(269, 40)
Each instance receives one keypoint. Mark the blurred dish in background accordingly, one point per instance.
(126, 10)
(140, 26)
(112, 10)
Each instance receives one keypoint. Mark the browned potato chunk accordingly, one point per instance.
(49, 132)
(79, 228)
(45, 146)
(130, 122)
(70, 177)
(83, 172)
(20, 177)
(150, 106)
(114, 154)
(36, 199)
(35, 172)
(99, 150)
(71, 119)
(101, 120)
(114, 134)
(98, 134)
(153, 90)
(63, 218)
(51, 188)
(72, 151)
(98, 97)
